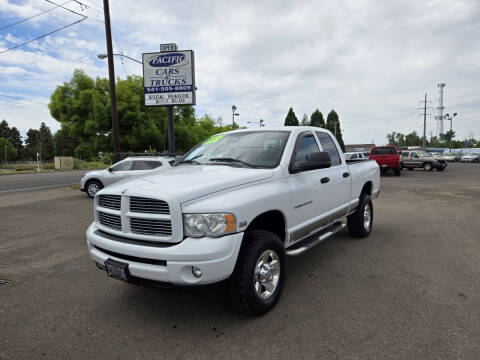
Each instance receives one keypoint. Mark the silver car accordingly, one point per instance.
(94, 181)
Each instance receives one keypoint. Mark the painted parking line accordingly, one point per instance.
(36, 188)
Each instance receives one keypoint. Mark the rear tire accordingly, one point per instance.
(92, 187)
(397, 172)
(361, 221)
(253, 288)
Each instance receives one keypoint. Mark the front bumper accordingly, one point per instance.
(216, 257)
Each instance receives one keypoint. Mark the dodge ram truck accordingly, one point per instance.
(232, 209)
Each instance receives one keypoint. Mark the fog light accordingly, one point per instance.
(196, 272)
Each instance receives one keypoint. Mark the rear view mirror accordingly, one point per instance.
(315, 160)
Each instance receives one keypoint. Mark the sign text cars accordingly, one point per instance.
(169, 78)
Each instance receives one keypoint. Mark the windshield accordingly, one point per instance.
(424, 153)
(257, 149)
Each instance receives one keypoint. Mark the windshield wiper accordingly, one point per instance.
(191, 161)
(227, 159)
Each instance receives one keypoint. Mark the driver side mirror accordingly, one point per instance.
(315, 160)
(110, 169)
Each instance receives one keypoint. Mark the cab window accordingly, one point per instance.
(414, 156)
(329, 145)
(307, 144)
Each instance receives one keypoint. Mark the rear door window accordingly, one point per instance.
(329, 145)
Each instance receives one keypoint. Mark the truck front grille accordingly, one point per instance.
(110, 201)
(149, 206)
(109, 220)
(151, 227)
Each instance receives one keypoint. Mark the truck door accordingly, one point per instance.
(310, 191)
(340, 179)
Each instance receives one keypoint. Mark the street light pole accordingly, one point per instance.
(111, 75)
(448, 117)
(234, 108)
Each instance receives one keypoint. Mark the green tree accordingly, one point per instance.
(13, 136)
(333, 124)
(65, 143)
(32, 144)
(291, 119)
(317, 119)
(449, 135)
(11, 151)
(47, 148)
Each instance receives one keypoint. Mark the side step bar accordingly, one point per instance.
(315, 239)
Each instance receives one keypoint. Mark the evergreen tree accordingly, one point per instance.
(317, 119)
(291, 119)
(46, 139)
(333, 124)
(65, 143)
(32, 144)
(4, 129)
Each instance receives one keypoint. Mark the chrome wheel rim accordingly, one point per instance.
(93, 189)
(367, 217)
(267, 274)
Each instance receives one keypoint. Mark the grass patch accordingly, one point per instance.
(89, 165)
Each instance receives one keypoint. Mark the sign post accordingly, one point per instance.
(169, 80)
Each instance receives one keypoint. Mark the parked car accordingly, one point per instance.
(422, 159)
(94, 181)
(472, 157)
(233, 208)
(453, 157)
(387, 158)
(354, 156)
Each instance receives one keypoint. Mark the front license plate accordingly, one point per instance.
(116, 269)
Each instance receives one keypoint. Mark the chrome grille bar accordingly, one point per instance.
(110, 201)
(150, 206)
(109, 220)
(151, 227)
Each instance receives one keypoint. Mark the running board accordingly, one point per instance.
(315, 239)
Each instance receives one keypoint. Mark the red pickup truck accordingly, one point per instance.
(387, 158)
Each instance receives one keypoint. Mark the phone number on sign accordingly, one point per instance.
(168, 88)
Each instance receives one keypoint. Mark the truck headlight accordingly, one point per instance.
(213, 225)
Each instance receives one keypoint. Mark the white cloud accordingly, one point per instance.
(372, 60)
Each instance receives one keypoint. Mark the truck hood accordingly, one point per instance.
(189, 182)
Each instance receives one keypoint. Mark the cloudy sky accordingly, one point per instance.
(371, 61)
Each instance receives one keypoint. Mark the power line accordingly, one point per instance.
(42, 36)
(16, 98)
(34, 16)
(63, 7)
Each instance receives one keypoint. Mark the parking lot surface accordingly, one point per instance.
(409, 291)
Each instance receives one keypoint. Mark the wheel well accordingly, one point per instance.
(272, 221)
(367, 188)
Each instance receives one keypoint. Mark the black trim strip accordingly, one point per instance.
(133, 258)
(108, 236)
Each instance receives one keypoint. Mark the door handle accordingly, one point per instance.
(325, 180)
(346, 174)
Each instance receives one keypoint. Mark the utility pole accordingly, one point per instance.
(5, 155)
(424, 142)
(111, 75)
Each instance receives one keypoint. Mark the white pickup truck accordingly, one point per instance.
(232, 209)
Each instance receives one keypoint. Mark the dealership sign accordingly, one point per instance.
(169, 78)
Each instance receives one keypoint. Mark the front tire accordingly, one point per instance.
(361, 221)
(259, 275)
(92, 187)
(427, 167)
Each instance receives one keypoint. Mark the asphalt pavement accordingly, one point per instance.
(39, 181)
(411, 290)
